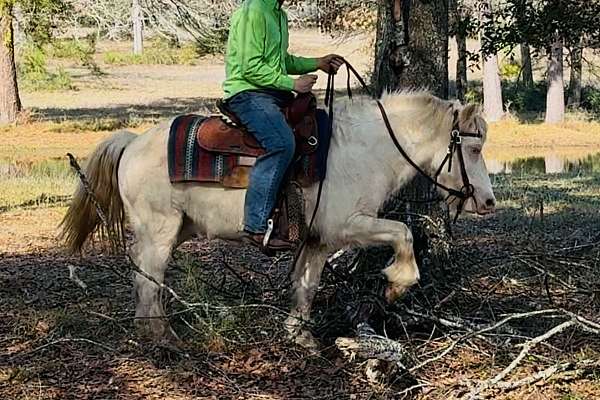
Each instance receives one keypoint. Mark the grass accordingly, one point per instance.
(40, 183)
(158, 53)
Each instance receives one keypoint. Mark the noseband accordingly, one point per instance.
(455, 146)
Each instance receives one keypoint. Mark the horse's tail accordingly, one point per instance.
(82, 219)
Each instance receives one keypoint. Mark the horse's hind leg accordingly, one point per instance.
(156, 237)
(306, 278)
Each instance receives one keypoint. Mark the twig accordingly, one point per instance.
(524, 351)
(73, 276)
(64, 340)
(480, 332)
(544, 374)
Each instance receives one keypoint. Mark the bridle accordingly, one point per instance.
(454, 147)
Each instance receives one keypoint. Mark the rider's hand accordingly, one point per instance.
(304, 83)
(330, 63)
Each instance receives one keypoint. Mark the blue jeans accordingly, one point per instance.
(260, 112)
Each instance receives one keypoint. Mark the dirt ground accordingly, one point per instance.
(62, 340)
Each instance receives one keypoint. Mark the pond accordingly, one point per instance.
(549, 163)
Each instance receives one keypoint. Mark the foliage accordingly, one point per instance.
(34, 74)
(204, 21)
(347, 16)
(540, 23)
(159, 53)
(510, 70)
(474, 95)
(38, 19)
(80, 51)
(591, 99)
(523, 99)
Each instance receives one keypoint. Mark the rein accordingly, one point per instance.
(455, 146)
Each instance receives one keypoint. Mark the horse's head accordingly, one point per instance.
(472, 133)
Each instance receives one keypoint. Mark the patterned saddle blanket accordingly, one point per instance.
(215, 150)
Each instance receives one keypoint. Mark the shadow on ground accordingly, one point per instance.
(166, 108)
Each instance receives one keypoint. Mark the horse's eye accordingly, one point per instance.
(476, 150)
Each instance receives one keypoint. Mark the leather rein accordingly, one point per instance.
(454, 147)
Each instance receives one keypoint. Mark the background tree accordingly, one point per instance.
(492, 87)
(526, 66)
(461, 27)
(38, 19)
(576, 58)
(555, 96)
(10, 102)
(550, 25)
(137, 21)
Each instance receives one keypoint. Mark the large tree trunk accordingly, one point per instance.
(492, 87)
(527, 67)
(428, 69)
(576, 74)
(555, 98)
(10, 103)
(423, 64)
(138, 27)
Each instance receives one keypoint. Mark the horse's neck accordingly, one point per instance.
(364, 160)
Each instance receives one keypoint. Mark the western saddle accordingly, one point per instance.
(227, 135)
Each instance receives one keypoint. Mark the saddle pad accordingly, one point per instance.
(190, 162)
(187, 161)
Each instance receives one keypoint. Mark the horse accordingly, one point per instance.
(129, 175)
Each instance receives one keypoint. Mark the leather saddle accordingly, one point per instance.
(229, 136)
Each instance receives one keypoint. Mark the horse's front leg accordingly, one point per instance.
(368, 230)
(306, 278)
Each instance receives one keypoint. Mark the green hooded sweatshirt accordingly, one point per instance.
(257, 56)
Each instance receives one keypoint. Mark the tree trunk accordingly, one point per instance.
(576, 73)
(10, 103)
(427, 51)
(138, 27)
(555, 98)
(423, 63)
(461, 67)
(458, 28)
(526, 66)
(492, 87)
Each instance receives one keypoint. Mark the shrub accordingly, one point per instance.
(159, 53)
(510, 71)
(591, 99)
(522, 98)
(80, 51)
(34, 74)
(474, 95)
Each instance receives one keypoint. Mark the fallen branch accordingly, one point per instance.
(480, 332)
(496, 381)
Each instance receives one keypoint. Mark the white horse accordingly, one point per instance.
(129, 175)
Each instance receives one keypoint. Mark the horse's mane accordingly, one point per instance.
(414, 111)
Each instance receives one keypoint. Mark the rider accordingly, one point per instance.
(256, 88)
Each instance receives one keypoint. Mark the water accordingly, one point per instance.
(551, 163)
